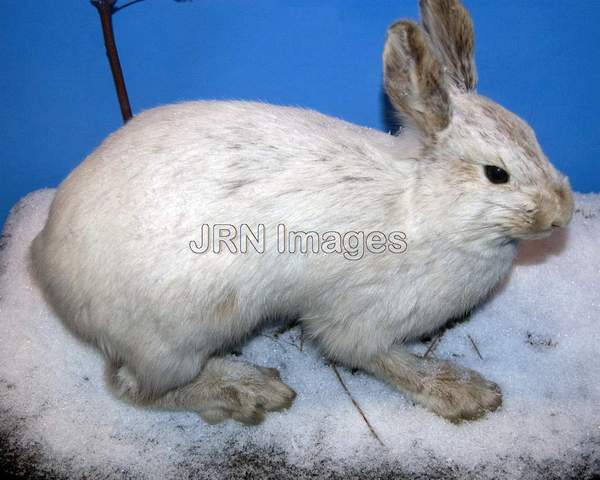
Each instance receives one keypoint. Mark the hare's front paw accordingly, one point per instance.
(247, 397)
(459, 394)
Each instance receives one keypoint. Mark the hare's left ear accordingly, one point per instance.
(450, 30)
(414, 79)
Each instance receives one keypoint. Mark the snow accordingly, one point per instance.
(539, 339)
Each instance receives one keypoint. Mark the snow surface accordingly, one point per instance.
(539, 339)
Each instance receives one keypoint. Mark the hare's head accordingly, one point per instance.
(480, 161)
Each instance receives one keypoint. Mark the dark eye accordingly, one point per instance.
(496, 174)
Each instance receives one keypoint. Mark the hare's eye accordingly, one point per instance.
(496, 174)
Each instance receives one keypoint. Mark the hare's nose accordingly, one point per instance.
(561, 222)
(564, 211)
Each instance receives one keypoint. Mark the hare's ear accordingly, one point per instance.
(450, 29)
(414, 78)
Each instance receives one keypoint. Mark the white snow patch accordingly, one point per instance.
(539, 337)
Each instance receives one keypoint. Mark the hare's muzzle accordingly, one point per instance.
(555, 210)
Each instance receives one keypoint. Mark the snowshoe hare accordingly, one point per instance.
(443, 204)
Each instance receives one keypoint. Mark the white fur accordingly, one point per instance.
(114, 256)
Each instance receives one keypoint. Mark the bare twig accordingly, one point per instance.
(434, 343)
(475, 346)
(125, 5)
(277, 339)
(289, 326)
(371, 429)
(106, 9)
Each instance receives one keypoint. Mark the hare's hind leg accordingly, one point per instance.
(452, 392)
(224, 388)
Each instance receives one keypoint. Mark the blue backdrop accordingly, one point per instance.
(537, 58)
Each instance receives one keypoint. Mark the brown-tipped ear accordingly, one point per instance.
(414, 78)
(450, 29)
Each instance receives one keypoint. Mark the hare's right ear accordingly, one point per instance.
(450, 29)
(414, 79)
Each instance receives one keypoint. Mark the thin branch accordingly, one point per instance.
(371, 429)
(475, 346)
(289, 326)
(125, 5)
(277, 339)
(435, 341)
(106, 9)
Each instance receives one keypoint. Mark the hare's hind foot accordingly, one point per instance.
(239, 390)
(224, 389)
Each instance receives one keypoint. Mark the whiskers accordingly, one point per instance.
(497, 223)
(516, 220)
(475, 232)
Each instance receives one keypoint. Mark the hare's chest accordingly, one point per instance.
(453, 284)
